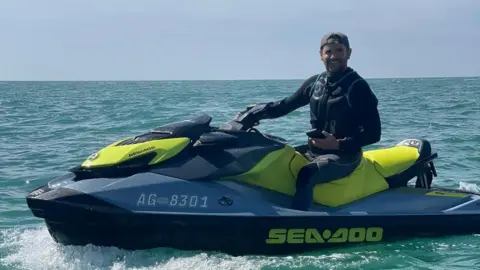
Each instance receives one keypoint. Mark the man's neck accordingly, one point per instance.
(335, 76)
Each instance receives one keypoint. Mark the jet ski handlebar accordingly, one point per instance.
(247, 119)
(250, 117)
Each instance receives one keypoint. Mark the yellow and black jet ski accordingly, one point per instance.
(191, 186)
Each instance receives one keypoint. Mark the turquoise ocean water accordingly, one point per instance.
(47, 127)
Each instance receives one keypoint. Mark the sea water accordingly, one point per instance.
(47, 127)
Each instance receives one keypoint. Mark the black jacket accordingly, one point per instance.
(343, 105)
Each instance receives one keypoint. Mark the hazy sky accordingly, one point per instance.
(226, 39)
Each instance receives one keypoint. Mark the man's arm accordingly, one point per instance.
(280, 108)
(364, 103)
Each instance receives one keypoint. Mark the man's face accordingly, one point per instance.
(335, 56)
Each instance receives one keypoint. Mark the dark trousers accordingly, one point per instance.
(323, 168)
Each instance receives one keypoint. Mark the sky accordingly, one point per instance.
(227, 39)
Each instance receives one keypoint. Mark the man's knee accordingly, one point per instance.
(327, 168)
(306, 174)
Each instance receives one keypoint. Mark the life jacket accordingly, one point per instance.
(330, 107)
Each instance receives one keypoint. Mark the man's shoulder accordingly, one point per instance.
(357, 81)
(360, 90)
(308, 84)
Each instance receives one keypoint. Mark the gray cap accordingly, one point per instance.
(335, 37)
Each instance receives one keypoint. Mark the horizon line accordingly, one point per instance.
(245, 79)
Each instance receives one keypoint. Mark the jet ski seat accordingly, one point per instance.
(379, 170)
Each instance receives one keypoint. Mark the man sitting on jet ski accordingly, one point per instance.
(343, 115)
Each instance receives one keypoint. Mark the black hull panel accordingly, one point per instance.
(241, 235)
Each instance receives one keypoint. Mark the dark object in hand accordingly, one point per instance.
(315, 134)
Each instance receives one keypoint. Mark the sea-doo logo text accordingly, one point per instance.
(313, 236)
(141, 151)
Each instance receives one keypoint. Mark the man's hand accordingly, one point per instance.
(329, 143)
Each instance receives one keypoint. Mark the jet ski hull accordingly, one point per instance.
(245, 235)
(75, 218)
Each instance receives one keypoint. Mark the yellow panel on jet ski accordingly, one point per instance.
(392, 160)
(368, 178)
(364, 181)
(277, 171)
(447, 194)
(113, 154)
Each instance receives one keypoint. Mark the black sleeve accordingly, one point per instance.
(300, 98)
(364, 103)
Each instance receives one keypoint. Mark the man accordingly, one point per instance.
(342, 107)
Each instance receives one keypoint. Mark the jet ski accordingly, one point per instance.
(190, 185)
